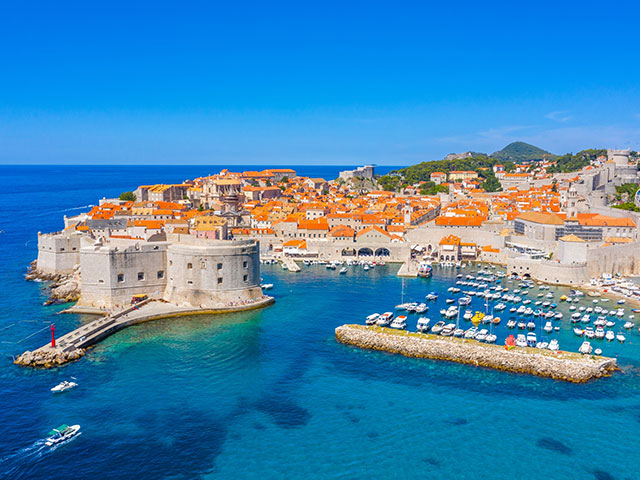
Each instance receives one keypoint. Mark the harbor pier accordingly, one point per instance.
(73, 345)
(566, 366)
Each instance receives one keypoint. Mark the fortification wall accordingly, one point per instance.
(549, 271)
(58, 253)
(112, 274)
(212, 273)
(623, 259)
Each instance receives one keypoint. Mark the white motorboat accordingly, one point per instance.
(421, 308)
(585, 348)
(599, 333)
(578, 331)
(532, 339)
(531, 325)
(432, 296)
(511, 324)
(521, 340)
(371, 319)
(458, 332)
(620, 337)
(468, 315)
(548, 327)
(491, 338)
(471, 333)
(589, 333)
(64, 386)
(598, 351)
(343, 270)
(267, 286)
(554, 345)
(628, 325)
(384, 319)
(482, 335)
(437, 328)
(62, 434)
(448, 330)
(423, 324)
(610, 336)
(400, 322)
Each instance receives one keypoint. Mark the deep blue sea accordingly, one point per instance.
(270, 394)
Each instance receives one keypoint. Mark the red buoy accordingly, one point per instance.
(53, 338)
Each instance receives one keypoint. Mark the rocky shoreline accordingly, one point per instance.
(48, 358)
(62, 289)
(566, 366)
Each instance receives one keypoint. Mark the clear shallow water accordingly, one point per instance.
(270, 394)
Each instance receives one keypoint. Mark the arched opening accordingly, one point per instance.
(348, 252)
(365, 252)
(382, 252)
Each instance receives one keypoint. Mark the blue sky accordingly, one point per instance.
(392, 83)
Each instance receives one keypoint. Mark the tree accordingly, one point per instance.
(285, 179)
(128, 197)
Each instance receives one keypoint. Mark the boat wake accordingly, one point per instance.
(12, 462)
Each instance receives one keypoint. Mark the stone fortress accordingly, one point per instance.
(179, 269)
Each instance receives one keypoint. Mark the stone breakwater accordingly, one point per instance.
(62, 289)
(48, 358)
(567, 366)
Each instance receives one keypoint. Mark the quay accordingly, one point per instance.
(566, 366)
(73, 345)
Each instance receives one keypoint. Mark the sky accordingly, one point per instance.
(345, 83)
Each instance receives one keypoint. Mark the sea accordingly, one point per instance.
(270, 394)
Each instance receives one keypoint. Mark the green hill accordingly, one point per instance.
(522, 152)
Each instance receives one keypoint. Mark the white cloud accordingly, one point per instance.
(559, 116)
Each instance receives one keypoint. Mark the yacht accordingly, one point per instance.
(371, 319)
(589, 333)
(64, 386)
(554, 345)
(61, 434)
(599, 333)
(521, 340)
(400, 322)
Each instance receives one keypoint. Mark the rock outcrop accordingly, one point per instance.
(48, 358)
(567, 366)
(63, 288)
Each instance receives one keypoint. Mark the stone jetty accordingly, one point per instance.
(72, 346)
(567, 366)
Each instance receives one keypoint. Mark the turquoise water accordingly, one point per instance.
(270, 393)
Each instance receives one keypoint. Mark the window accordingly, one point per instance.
(160, 273)
(100, 281)
(120, 277)
(219, 266)
(62, 249)
(190, 282)
(244, 278)
(171, 263)
(140, 276)
(244, 264)
(189, 266)
(219, 280)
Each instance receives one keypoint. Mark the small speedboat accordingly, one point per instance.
(610, 336)
(511, 324)
(578, 331)
(620, 337)
(437, 328)
(628, 325)
(548, 327)
(343, 270)
(521, 340)
(64, 386)
(598, 351)
(61, 434)
(554, 345)
(400, 322)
